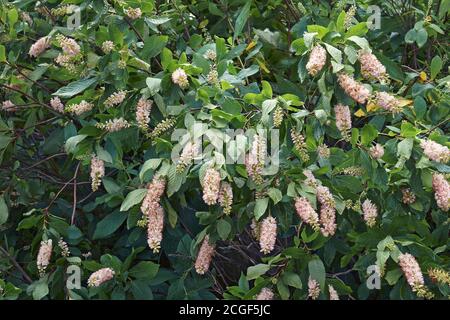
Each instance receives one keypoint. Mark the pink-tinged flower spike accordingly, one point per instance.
(69, 46)
(80, 108)
(211, 186)
(306, 212)
(179, 77)
(133, 13)
(155, 229)
(204, 256)
(441, 189)
(327, 211)
(39, 47)
(268, 234)
(56, 104)
(317, 60)
(97, 172)
(411, 269)
(100, 276)
(353, 89)
(370, 213)
(387, 102)
(371, 67)
(310, 179)
(226, 197)
(265, 294)
(255, 160)
(343, 119)
(44, 255)
(376, 151)
(155, 191)
(114, 125)
(313, 288)
(143, 109)
(115, 99)
(188, 154)
(333, 293)
(435, 151)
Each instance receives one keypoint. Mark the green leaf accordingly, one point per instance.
(154, 85)
(254, 272)
(144, 270)
(317, 271)
(133, 198)
(150, 164)
(242, 19)
(3, 210)
(368, 134)
(359, 30)
(334, 52)
(109, 225)
(292, 279)
(141, 290)
(2, 53)
(75, 88)
(153, 46)
(275, 194)
(72, 142)
(173, 216)
(261, 207)
(40, 289)
(408, 130)
(435, 67)
(404, 148)
(223, 228)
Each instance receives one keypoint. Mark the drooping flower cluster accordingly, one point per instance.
(370, 212)
(69, 46)
(100, 276)
(256, 158)
(211, 186)
(265, 294)
(65, 252)
(439, 275)
(353, 88)
(387, 102)
(408, 197)
(323, 151)
(226, 197)
(115, 99)
(435, 151)
(155, 227)
(56, 104)
(114, 125)
(268, 234)
(327, 211)
(371, 67)
(441, 189)
(44, 255)
(210, 55)
(97, 172)
(188, 154)
(300, 145)
(107, 46)
(133, 13)
(343, 119)
(39, 47)
(204, 257)
(413, 275)
(376, 151)
(313, 288)
(333, 293)
(179, 77)
(310, 179)
(278, 116)
(317, 60)
(80, 108)
(162, 127)
(143, 109)
(306, 212)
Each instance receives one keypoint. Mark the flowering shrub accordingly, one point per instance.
(232, 149)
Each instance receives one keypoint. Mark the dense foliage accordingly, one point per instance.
(90, 186)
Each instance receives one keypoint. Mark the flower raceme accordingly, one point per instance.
(100, 276)
(39, 47)
(441, 189)
(155, 228)
(371, 67)
(179, 77)
(211, 186)
(97, 172)
(204, 256)
(265, 294)
(317, 60)
(306, 212)
(353, 88)
(143, 109)
(44, 255)
(370, 212)
(268, 234)
(435, 151)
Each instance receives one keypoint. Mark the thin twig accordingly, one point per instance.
(16, 264)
